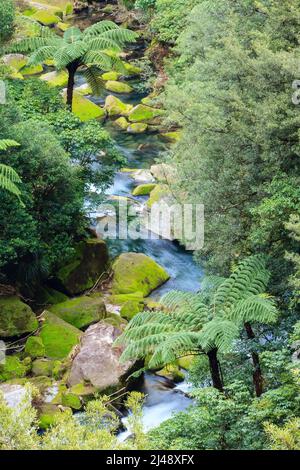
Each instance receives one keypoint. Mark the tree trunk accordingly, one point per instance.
(257, 374)
(215, 369)
(70, 87)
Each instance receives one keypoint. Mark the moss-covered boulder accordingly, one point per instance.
(164, 173)
(46, 18)
(143, 189)
(122, 123)
(58, 336)
(121, 299)
(84, 89)
(81, 311)
(43, 367)
(186, 362)
(110, 76)
(63, 26)
(34, 347)
(48, 296)
(137, 128)
(118, 87)
(135, 272)
(32, 69)
(15, 61)
(142, 112)
(84, 269)
(16, 318)
(12, 368)
(171, 136)
(71, 400)
(160, 193)
(132, 69)
(48, 415)
(131, 308)
(55, 79)
(84, 391)
(116, 107)
(86, 109)
(171, 372)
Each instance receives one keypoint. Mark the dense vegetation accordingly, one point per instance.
(227, 90)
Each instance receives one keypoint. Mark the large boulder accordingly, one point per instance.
(143, 189)
(85, 109)
(58, 336)
(136, 272)
(59, 79)
(85, 268)
(164, 173)
(116, 107)
(141, 112)
(16, 318)
(97, 361)
(81, 311)
(13, 394)
(45, 18)
(118, 87)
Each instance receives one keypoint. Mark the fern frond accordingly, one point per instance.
(219, 333)
(72, 35)
(100, 27)
(101, 43)
(8, 179)
(141, 348)
(42, 54)
(93, 77)
(175, 345)
(255, 308)
(7, 143)
(98, 58)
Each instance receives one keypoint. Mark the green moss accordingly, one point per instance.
(137, 128)
(121, 299)
(32, 69)
(110, 76)
(160, 191)
(48, 296)
(56, 79)
(132, 69)
(142, 112)
(63, 26)
(34, 347)
(84, 90)
(186, 362)
(116, 107)
(48, 415)
(15, 61)
(118, 87)
(171, 136)
(58, 336)
(42, 367)
(83, 390)
(122, 123)
(71, 400)
(135, 272)
(16, 318)
(12, 368)
(84, 269)
(85, 109)
(45, 18)
(131, 308)
(171, 372)
(143, 189)
(81, 311)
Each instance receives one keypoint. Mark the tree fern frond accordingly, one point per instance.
(100, 27)
(101, 43)
(6, 143)
(8, 178)
(93, 77)
(41, 54)
(98, 58)
(255, 308)
(142, 347)
(175, 345)
(219, 333)
(72, 35)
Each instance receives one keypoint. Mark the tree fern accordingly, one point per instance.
(8, 176)
(87, 49)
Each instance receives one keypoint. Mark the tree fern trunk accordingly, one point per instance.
(70, 87)
(215, 369)
(257, 374)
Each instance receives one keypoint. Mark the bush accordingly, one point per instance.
(7, 17)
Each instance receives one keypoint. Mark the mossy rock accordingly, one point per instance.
(12, 368)
(135, 272)
(159, 193)
(34, 347)
(42, 383)
(42, 367)
(48, 415)
(32, 69)
(85, 110)
(46, 18)
(171, 372)
(186, 362)
(84, 90)
(122, 123)
(118, 87)
(116, 107)
(56, 79)
(15, 61)
(137, 128)
(142, 112)
(84, 269)
(58, 336)
(110, 76)
(16, 76)
(143, 189)
(83, 390)
(81, 311)
(49, 296)
(132, 69)
(121, 299)
(16, 318)
(71, 400)
(115, 320)
(171, 136)
(63, 26)
(131, 308)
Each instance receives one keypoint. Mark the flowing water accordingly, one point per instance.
(163, 398)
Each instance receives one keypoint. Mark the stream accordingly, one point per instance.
(163, 397)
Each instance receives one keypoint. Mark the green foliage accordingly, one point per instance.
(8, 176)
(7, 18)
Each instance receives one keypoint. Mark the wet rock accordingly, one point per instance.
(55, 79)
(143, 189)
(13, 394)
(164, 173)
(116, 107)
(137, 128)
(142, 176)
(97, 361)
(118, 87)
(142, 112)
(16, 318)
(135, 272)
(110, 76)
(122, 123)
